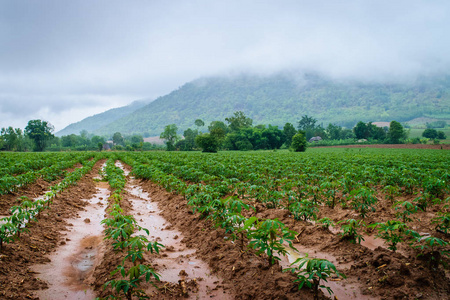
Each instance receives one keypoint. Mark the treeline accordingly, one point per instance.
(88, 142)
(38, 136)
(236, 133)
(240, 134)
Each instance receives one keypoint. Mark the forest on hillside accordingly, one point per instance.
(284, 98)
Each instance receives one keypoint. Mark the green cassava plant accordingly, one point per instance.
(404, 209)
(326, 223)
(311, 272)
(268, 236)
(350, 228)
(392, 231)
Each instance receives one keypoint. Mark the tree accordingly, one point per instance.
(118, 139)
(137, 142)
(299, 142)
(334, 131)
(95, 140)
(377, 133)
(218, 129)
(40, 132)
(21, 141)
(238, 121)
(207, 142)
(170, 136)
(289, 131)
(361, 131)
(307, 123)
(274, 137)
(9, 137)
(84, 133)
(188, 144)
(199, 123)
(396, 132)
(70, 141)
(441, 135)
(429, 133)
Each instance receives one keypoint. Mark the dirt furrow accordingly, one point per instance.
(17, 280)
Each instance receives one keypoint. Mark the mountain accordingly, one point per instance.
(282, 98)
(94, 122)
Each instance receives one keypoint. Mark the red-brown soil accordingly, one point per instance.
(16, 279)
(377, 272)
(246, 275)
(31, 191)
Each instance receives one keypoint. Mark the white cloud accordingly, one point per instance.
(66, 60)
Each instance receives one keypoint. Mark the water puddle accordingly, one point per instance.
(178, 263)
(70, 270)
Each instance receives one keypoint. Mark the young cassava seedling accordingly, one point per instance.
(268, 237)
(316, 270)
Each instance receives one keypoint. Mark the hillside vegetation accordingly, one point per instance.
(99, 120)
(285, 98)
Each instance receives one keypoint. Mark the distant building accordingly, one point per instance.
(107, 146)
(382, 124)
(315, 139)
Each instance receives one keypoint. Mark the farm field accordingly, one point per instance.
(173, 225)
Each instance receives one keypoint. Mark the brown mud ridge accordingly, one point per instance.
(182, 274)
(17, 280)
(395, 146)
(32, 191)
(245, 275)
(372, 271)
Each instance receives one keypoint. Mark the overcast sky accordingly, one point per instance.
(62, 61)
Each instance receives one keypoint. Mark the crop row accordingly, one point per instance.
(269, 236)
(207, 192)
(344, 169)
(12, 226)
(19, 163)
(55, 168)
(120, 229)
(304, 193)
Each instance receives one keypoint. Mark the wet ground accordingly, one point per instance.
(374, 270)
(68, 273)
(177, 263)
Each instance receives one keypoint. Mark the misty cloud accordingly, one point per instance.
(66, 60)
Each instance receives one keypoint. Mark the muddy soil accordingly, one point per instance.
(69, 274)
(176, 263)
(17, 280)
(201, 262)
(373, 271)
(245, 275)
(182, 274)
(31, 191)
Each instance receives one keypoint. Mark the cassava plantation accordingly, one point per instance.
(329, 223)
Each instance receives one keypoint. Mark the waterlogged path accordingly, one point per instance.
(177, 264)
(69, 272)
